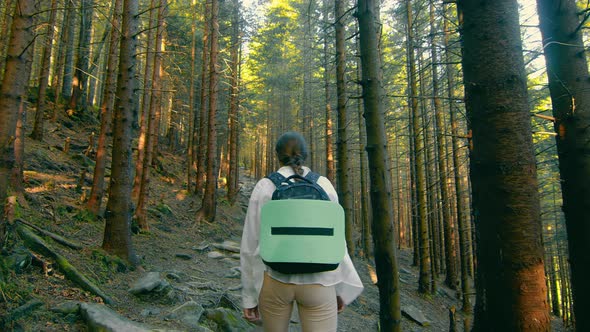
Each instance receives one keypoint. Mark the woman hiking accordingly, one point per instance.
(268, 294)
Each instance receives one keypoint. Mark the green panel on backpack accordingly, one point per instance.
(305, 231)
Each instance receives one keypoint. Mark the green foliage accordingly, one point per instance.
(85, 216)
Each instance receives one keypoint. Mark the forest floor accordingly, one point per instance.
(181, 250)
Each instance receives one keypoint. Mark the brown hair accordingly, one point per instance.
(292, 151)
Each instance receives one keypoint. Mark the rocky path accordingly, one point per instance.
(190, 277)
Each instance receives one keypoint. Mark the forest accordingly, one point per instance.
(133, 132)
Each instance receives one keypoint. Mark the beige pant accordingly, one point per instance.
(318, 310)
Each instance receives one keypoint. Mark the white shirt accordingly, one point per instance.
(345, 278)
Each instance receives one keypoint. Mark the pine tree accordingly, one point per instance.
(503, 171)
(569, 85)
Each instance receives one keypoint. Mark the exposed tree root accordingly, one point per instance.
(53, 236)
(35, 243)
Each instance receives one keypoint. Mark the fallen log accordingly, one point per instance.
(53, 236)
(35, 243)
(19, 312)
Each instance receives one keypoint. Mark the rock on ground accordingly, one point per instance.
(415, 314)
(189, 314)
(101, 318)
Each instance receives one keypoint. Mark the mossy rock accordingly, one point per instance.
(228, 320)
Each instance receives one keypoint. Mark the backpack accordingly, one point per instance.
(306, 188)
(301, 231)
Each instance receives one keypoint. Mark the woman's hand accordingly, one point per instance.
(340, 303)
(252, 314)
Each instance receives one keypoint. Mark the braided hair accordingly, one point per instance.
(292, 151)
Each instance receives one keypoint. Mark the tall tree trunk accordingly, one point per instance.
(567, 70)
(232, 179)
(422, 218)
(13, 90)
(463, 222)
(81, 72)
(449, 232)
(117, 233)
(145, 101)
(503, 171)
(343, 168)
(16, 179)
(69, 37)
(202, 151)
(5, 33)
(191, 102)
(106, 113)
(382, 226)
(365, 218)
(44, 75)
(153, 121)
(330, 167)
(98, 55)
(209, 201)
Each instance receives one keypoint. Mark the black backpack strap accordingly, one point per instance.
(276, 178)
(313, 177)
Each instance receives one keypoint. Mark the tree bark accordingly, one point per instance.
(364, 197)
(106, 113)
(81, 72)
(37, 133)
(145, 102)
(330, 167)
(153, 121)
(449, 232)
(503, 171)
(13, 90)
(117, 234)
(567, 70)
(463, 222)
(202, 151)
(419, 152)
(209, 202)
(5, 33)
(382, 226)
(232, 179)
(343, 168)
(191, 102)
(69, 37)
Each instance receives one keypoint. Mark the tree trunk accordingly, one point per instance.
(13, 90)
(463, 221)
(16, 179)
(202, 151)
(145, 102)
(382, 227)
(330, 168)
(5, 33)
(106, 113)
(343, 168)
(209, 201)
(419, 152)
(567, 70)
(153, 121)
(449, 232)
(191, 102)
(503, 171)
(70, 34)
(81, 72)
(364, 197)
(37, 133)
(232, 179)
(117, 234)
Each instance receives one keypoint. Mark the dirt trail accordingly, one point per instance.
(175, 246)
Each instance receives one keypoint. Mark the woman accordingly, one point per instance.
(268, 294)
